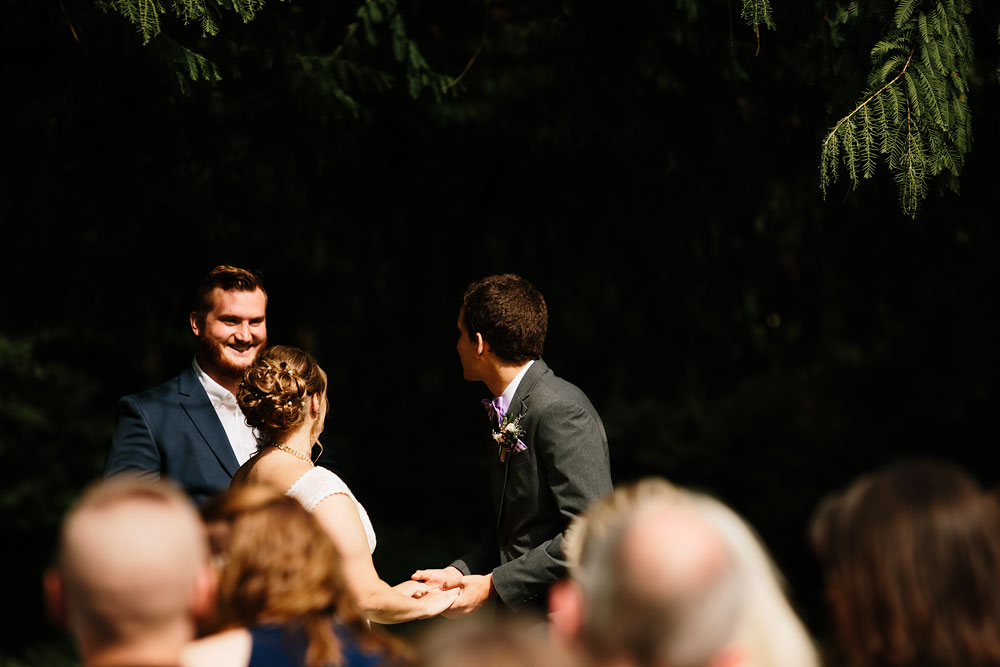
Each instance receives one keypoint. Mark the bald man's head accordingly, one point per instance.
(132, 560)
(660, 588)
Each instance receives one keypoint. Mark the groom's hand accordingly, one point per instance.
(475, 589)
(437, 578)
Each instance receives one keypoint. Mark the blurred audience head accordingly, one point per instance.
(736, 614)
(912, 561)
(276, 565)
(653, 583)
(769, 632)
(131, 577)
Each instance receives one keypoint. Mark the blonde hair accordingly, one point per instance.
(766, 628)
(276, 565)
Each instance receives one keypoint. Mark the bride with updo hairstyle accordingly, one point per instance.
(283, 396)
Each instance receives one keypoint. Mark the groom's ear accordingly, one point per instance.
(481, 344)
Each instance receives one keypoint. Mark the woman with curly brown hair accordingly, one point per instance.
(283, 396)
(912, 561)
(280, 598)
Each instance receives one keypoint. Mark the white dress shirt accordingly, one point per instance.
(242, 438)
(508, 393)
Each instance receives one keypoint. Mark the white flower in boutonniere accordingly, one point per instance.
(508, 437)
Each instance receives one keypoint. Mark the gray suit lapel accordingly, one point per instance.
(517, 407)
(198, 407)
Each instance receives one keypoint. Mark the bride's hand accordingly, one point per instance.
(412, 589)
(438, 601)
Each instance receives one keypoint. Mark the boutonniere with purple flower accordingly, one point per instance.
(509, 431)
(508, 438)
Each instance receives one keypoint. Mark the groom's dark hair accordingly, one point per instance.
(511, 315)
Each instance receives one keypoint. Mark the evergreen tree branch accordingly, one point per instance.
(69, 22)
(833, 133)
(917, 116)
(468, 65)
(755, 13)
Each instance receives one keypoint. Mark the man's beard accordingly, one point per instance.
(214, 354)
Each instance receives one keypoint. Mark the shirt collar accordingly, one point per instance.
(217, 394)
(508, 393)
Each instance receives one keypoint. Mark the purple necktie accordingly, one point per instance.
(495, 409)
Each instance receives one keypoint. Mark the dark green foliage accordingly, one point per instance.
(333, 71)
(735, 332)
(914, 115)
(757, 13)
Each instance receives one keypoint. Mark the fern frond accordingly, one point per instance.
(881, 123)
(869, 136)
(891, 66)
(757, 13)
(931, 54)
(932, 95)
(904, 10)
(918, 117)
(144, 14)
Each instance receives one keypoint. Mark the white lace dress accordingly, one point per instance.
(320, 483)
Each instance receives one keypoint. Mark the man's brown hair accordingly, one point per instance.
(912, 557)
(511, 315)
(229, 279)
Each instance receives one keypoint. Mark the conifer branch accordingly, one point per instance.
(468, 65)
(833, 132)
(755, 13)
(69, 22)
(916, 117)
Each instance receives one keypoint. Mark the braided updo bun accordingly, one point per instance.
(274, 389)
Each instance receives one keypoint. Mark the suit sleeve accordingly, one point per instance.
(132, 446)
(483, 558)
(573, 455)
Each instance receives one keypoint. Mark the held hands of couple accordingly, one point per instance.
(435, 600)
(474, 589)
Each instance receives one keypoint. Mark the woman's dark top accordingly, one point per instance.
(278, 646)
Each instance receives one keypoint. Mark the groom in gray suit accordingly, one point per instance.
(547, 451)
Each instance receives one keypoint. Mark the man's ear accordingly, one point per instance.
(55, 597)
(206, 586)
(195, 323)
(565, 611)
(481, 344)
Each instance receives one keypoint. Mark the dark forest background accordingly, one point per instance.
(641, 163)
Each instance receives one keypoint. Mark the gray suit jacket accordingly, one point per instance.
(538, 491)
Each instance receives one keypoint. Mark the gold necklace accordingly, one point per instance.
(294, 452)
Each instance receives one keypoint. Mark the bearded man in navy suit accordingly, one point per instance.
(545, 446)
(190, 428)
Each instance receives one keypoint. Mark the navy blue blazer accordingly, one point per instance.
(172, 430)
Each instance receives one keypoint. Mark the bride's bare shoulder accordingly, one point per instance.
(274, 471)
